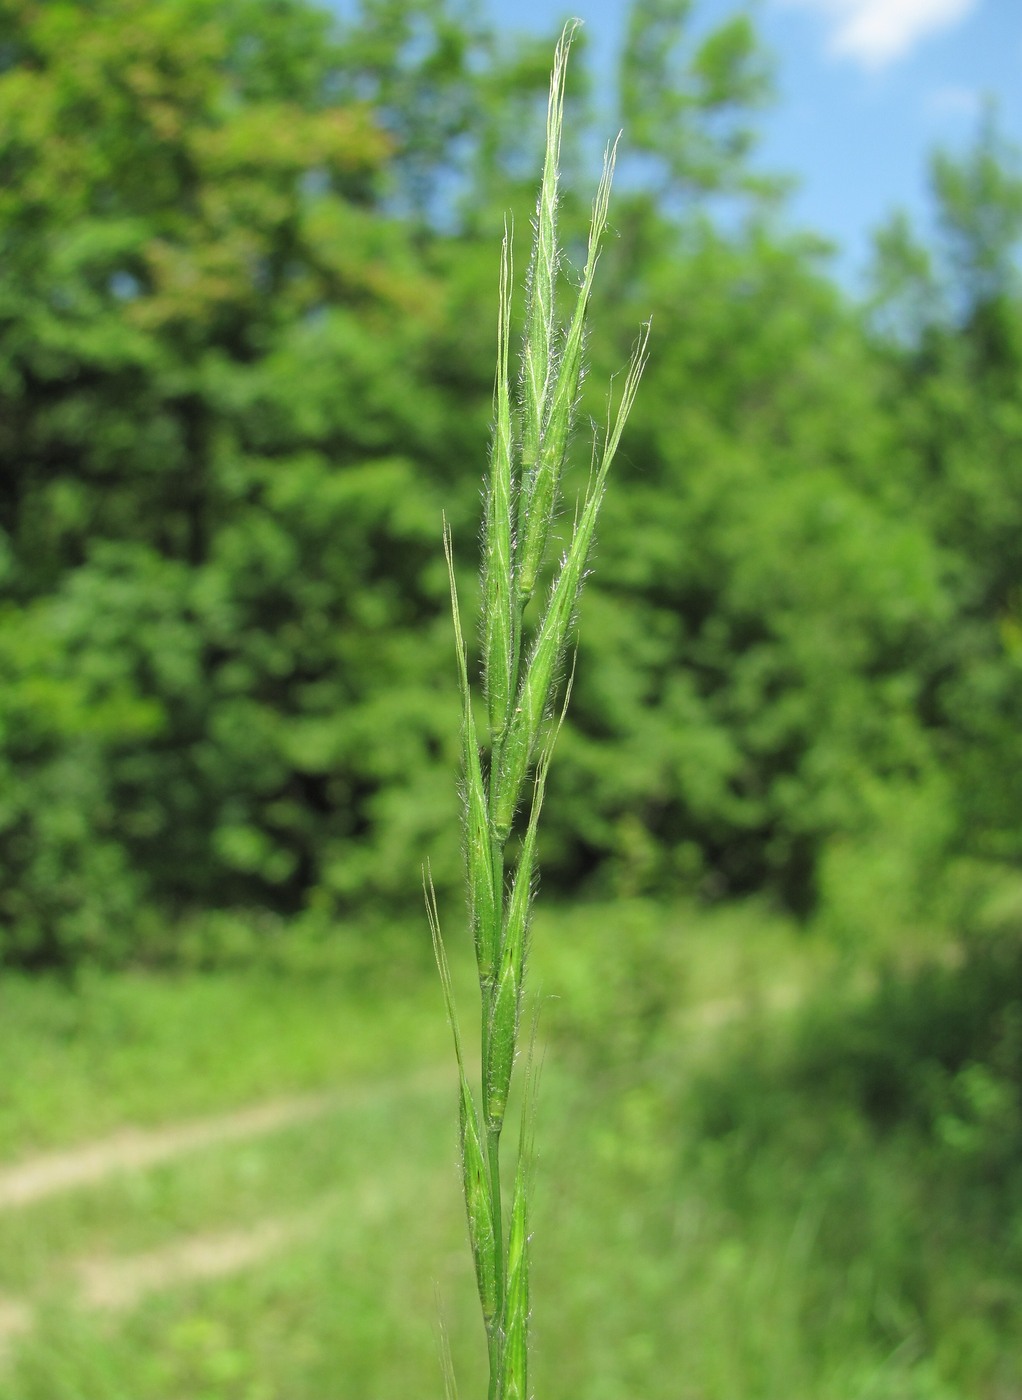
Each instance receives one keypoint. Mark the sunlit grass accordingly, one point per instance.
(761, 1202)
(82, 1058)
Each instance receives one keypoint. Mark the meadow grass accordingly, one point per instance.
(505, 764)
(740, 1195)
(81, 1058)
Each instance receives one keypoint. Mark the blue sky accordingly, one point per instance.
(866, 90)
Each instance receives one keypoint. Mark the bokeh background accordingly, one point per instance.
(247, 331)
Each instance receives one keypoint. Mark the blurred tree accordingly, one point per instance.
(463, 109)
(950, 337)
(749, 683)
(246, 341)
(241, 359)
(686, 100)
(218, 536)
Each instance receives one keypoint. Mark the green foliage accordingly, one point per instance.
(952, 395)
(771, 695)
(194, 514)
(242, 363)
(687, 101)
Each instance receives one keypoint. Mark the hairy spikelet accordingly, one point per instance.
(475, 1175)
(484, 908)
(479, 1203)
(534, 694)
(519, 903)
(503, 1033)
(516, 1301)
(556, 431)
(540, 326)
(515, 1356)
(498, 582)
(554, 633)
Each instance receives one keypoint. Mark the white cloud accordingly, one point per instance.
(876, 32)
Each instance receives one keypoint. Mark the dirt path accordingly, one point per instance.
(113, 1284)
(15, 1319)
(116, 1283)
(120, 1283)
(137, 1149)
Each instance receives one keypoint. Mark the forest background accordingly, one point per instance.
(247, 330)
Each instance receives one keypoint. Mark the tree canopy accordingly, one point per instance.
(247, 331)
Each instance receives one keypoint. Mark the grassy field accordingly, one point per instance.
(764, 1172)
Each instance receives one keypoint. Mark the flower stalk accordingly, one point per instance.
(532, 431)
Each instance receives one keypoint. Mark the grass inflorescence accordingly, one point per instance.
(506, 769)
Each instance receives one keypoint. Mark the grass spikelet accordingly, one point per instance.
(519, 903)
(475, 1173)
(498, 583)
(539, 347)
(520, 680)
(515, 1358)
(554, 632)
(484, 912)
(479, 1203)
(507, 997)
(526, 727)
(557, 428)
(503, 1033)
(515, 1355)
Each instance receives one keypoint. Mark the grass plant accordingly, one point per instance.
(505, 765)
